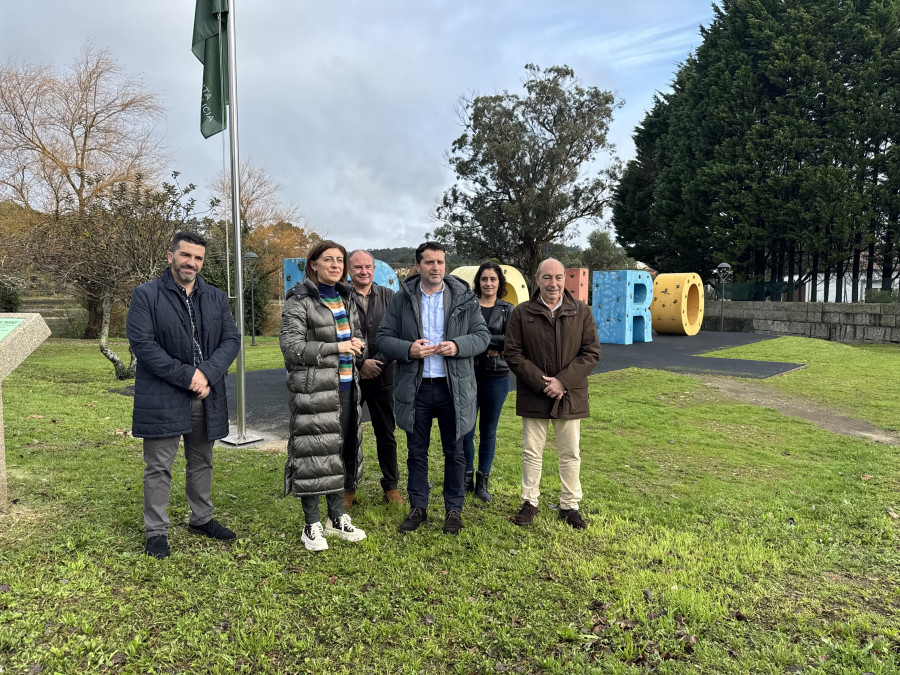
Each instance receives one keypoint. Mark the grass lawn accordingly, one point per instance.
(264, 355)
(722, 538)
(861, 379)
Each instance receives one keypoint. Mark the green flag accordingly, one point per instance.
(210, 45)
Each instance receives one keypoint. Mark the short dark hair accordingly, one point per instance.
(428, 246)
(189, 237)
(359, 250)
(501, 278)
(315, 252)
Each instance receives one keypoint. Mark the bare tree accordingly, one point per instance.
(67, 137)
(59, 129)
(260, 202)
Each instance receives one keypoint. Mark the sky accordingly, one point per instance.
(351, 106)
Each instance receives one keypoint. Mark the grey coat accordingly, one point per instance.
(463, 324)
(310, 348)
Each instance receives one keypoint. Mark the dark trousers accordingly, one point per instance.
(349, 431)
(159, 454)
(380, 400)
(492, 392)
(335, 500)
(433, 400)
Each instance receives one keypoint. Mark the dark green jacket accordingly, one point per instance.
(463, 324)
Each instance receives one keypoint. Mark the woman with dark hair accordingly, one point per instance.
(491, 376)
(322, 346)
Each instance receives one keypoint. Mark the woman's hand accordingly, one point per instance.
(353, 346)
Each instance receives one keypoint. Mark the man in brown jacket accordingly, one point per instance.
(551, 347)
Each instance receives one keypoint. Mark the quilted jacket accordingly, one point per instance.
(310, 348)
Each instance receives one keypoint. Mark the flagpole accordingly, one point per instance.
(242, 436)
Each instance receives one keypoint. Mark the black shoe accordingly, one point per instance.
(416, 517)
(157, 547)
(470, 481)
(573, 518)
(452, 523)
(481, 491)
(213, 529)
(526, 514)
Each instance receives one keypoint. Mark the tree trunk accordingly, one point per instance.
(122, 372)
(790, 273)
(887, 261)
(839, 282)
(870, 266)
(854, 292)
(814, 294)
(94, 324)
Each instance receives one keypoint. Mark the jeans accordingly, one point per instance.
(492, 393)
(380, 400)
(434, 400)
(334, 502)
(349, 449)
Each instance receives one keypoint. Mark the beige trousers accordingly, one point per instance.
(568, 435)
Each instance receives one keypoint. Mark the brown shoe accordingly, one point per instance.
(573, 518)
(393, 496)
(349, 500)
(526, 514)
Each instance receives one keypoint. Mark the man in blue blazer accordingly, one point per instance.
(184, 337)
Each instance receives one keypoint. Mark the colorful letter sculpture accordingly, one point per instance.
(295, 270)
(677, 304)
(516, 288)
(577, 283)
(621, 306)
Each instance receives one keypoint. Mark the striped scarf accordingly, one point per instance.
(342, 325)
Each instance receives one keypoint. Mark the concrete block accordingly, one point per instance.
(874, 334)
(822, 331)
(831, 317)
(888, 320)
(798, 328)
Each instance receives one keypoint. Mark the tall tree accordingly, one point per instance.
(273, 243)
(67, 137)
(603, 254)
(774, 153)
(119, 241)
(524, 168)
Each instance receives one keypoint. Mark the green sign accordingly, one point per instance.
(7, 326)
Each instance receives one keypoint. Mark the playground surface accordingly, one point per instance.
(266, 396)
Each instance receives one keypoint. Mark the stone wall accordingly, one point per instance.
(840, 322)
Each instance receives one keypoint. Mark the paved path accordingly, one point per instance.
(267, 396)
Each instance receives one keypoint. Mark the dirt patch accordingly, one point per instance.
(795, 406)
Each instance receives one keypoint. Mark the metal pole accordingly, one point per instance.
(722, 304)
(252, 313)
(236, 215)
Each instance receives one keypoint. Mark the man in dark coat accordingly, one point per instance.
(551, 347)
(184, 337)
(376, 375)
(433, 329)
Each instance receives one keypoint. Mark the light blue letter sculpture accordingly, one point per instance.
(621, 304)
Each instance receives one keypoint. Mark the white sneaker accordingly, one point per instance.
(313, 537)
(343, 528)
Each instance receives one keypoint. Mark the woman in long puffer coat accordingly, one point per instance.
(321, 342)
